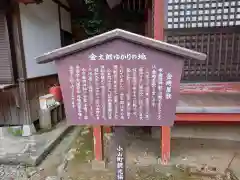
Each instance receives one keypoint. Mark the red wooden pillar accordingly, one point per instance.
(158, 34)
(98, 143)
(158, 10)
(166, 142)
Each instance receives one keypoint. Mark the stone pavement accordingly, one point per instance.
(30, 150)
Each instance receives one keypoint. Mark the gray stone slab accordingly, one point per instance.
(31, 150)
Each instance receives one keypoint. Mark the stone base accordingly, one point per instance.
(3, 131)
(45, 120)
(28, 130)
(98, 165)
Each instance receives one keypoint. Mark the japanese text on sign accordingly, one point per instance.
(129, 56)
(128, 92)
(113, 91)
(159, 95)
(71, 80)
(169, 86)
(120, 163)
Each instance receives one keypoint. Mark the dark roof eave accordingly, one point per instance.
(118, 33)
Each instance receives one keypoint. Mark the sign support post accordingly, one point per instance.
(121, 79)
(159, 35)
(98, 143)
(166, 142)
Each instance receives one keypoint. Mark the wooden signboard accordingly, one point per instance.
(120, 78)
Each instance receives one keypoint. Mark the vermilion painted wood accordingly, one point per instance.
(158, 19)
(195, 117)
(210, 87)
(166, 144)
(98, 143)
(158, 34)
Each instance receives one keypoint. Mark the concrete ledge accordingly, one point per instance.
(37, 156)
(50, 146)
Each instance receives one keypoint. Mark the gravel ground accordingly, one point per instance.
(12, 172)
(74, 163)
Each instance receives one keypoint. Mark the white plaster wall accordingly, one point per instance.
(41, 33)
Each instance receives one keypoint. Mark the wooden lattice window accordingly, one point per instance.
(202, 13)
(223, 54)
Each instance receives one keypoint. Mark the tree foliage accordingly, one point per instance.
(93, 22)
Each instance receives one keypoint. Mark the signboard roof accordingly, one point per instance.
(119, 34)
(120, 78)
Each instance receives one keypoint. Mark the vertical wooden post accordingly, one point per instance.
(98, 142)
(166, 141)
(158, 9)
(158, 25)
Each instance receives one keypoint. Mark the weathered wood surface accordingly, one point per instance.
(210, 87)
(11, 112)
(209, 103)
